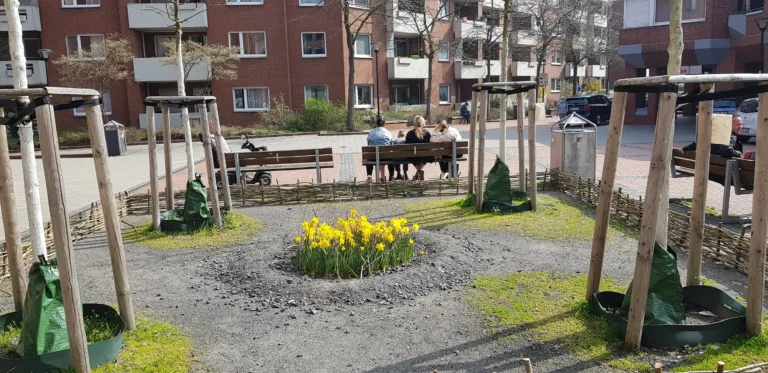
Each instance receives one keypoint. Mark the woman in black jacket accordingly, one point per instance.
(418, 135)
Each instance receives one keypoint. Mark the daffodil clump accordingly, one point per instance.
(355, 247)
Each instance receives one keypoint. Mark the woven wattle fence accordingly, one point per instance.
(723, 245)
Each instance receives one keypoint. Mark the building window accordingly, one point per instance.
(360, 3)
(22, 15)
(363, 46)
(245, 2)
(443, 8)
(751, 5)
(363, 96)
(692, 10)
(311, 2)
(400, 95)
(9, 70)
(106, 99)
(80, 3)
(444, 51)
(445, 94)
(161, 43)
(250, 44)
(556, 85)
(319, 92)
(603, 61)
(557, 57)
(77, 44)
(313, 44)
(251, 98)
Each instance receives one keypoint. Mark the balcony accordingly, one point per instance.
(596, 71)
(581, 70)
(407, 68)
(29, 14)
(522, 69)
(154, 17)
(474, 30)
(36, 73)
(154, 70)
(407, 23)
(471, 69)
(523, 37)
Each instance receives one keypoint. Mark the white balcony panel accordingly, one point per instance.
(596, 71)
(407, 68)
(154, 17)
(475, 69)
(408, 24)
(522, 69)
(36, 73)
(637, 13)
(194, 120)
(522, 37)
(475, 30)
(581, 71)
(494, 4)
(601, 20)
(154, 70)
(30, 18)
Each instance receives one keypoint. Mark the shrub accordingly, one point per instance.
(354, 247)
(278, 116)
(321, 115)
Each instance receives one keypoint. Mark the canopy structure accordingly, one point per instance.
(205, 104)
(655, 209)
(38, 103)
(482, 91)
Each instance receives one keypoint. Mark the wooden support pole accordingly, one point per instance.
(169, 203)
(701, 179)
(472, 134)
(528, 366)
(109, 209)
(658, 182)
(756, 269)
(214, 194)
(214, 109)
(481, 150)
(521, 141)
(720, 367)
(13, 248)
(658, 368)
(532, 190)
(154, 193)
(70, 293)
(602, 218)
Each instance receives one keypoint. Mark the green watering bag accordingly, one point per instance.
(44, 328)
(665, 294)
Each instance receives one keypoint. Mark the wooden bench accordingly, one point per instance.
(402, 154)
(284, 160)
(729, 172)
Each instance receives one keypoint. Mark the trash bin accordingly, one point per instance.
(574, 146)
(115, 136)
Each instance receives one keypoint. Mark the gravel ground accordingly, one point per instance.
(249, 309)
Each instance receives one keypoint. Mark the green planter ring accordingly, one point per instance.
(170, 222)
(507, 207)
(731, 313)
(99, 353)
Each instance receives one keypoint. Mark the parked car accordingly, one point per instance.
(725, 106)
(748, 112)
(596, 108)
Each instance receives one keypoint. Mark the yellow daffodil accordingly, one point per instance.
(411, 241)
(380, 246)
(421, 253)
(353, 212)
(298, 239)
(415, 227)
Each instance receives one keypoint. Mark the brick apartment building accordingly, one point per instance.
(289, 49)
(720, 36)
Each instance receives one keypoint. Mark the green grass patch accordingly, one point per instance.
(736, 353)
(236, 228)
(556, 219)
(709, 210)
(96, 330)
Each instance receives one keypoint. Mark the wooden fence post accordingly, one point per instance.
(701, 179)
(756, 278)
(533, 190)
(528, 366)
(13, 248)
(214, 193)
(481, 150)
(521, 141)
(214, 109)
(472, 135)
(110, 212)
(607, 181)
(70, 292)
(154, 193)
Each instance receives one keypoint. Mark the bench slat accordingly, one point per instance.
(425, 146)
(278, 153)
(244, 162)
(406, 161)
(287, 167)
(411, 154)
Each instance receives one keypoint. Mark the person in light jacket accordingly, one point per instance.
(446, 133)
(562, 108)
(378, 136)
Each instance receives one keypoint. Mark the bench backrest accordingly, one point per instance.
(280, 157)
(717, 165)
(432, 149)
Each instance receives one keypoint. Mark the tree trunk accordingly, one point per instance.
(182, 92)
(539, 68)
(428, 114)
(503, 78)
(26, 134)
(351, 85)
(575, 78)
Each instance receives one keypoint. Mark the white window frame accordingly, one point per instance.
(245, 100)
(9, 70)
(315, 2)
(407, 93)
(325, 45)
(556, 87)
(105, 94)
(442, 11)
(449, 94)
(242, 54)
(327, 94)
(245, 2)
(357, 99)
(353, 4)
(80, 43)
(446, 44)
(23, 15)
(552, 59)
(80, 6)
(370, 47)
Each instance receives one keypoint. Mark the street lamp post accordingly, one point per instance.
(45, 54)
(376, 47)
(762, 24)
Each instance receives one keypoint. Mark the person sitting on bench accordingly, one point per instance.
(733, 150)
(445, 133)
(378, 136)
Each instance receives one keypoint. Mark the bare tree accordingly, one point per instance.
(99, 67)
(582, 41)
(221, 59)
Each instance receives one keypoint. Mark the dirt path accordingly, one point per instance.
(248, 309)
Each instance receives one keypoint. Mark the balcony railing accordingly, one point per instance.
(581, 70)
(29, 13)
(407, 68)
(36, 73)
(475, 69)
(596, 71)
(154, 70)
(522, 68)
(154, 17)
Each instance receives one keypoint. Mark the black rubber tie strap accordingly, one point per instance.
(646, 88)
(710, 96)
